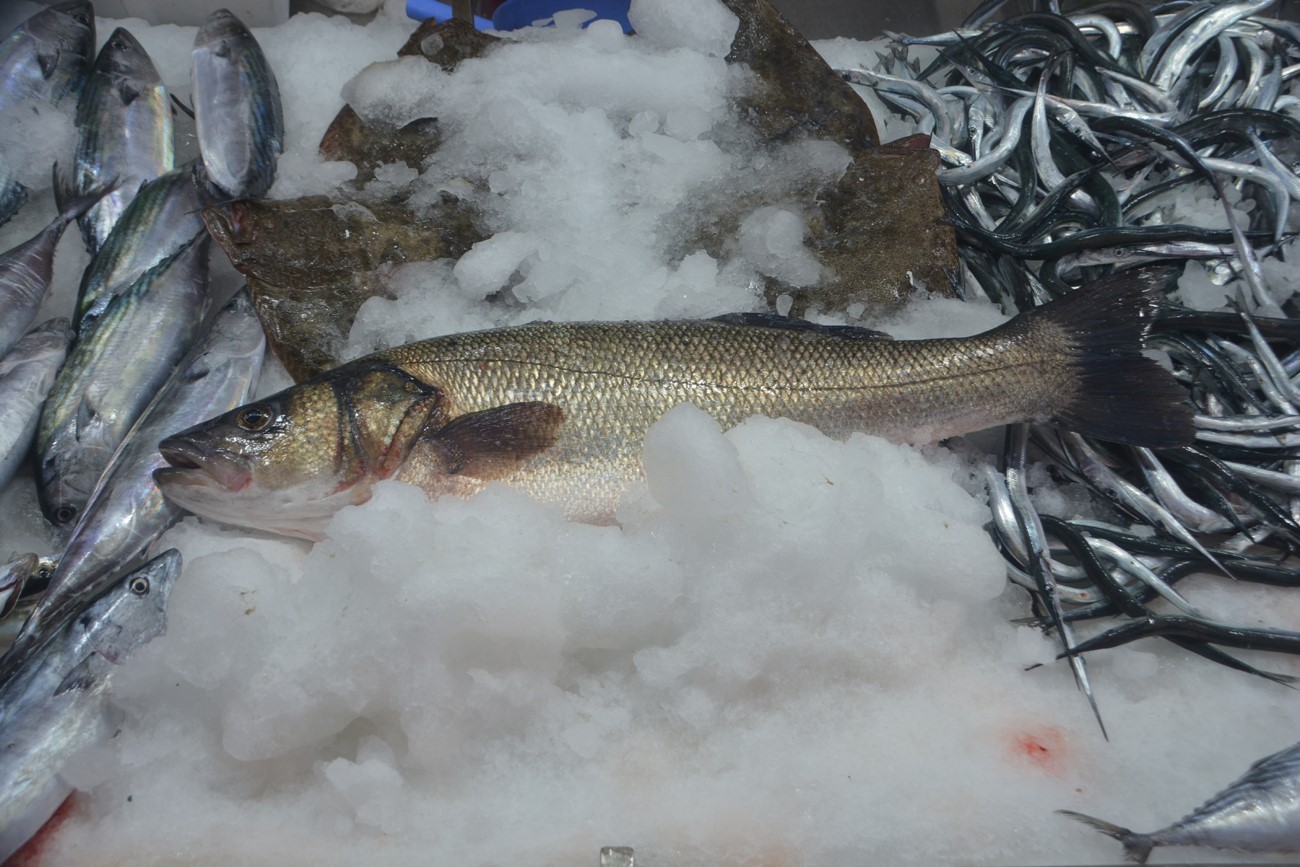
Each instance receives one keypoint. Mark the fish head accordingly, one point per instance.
(127, 64)
(217, 32)
(287, 462)
(69, 29)
(134, 611)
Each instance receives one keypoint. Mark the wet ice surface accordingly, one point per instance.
(789, 650)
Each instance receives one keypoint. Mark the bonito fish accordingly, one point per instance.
(1260, 812)
(560, 410)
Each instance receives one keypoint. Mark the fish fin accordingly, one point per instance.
(1118, 394)
(81, 677)
(62, 187)
(1137, 847)
(48, 63)
(127, 92)
(493, 443)
(791, 323)
(70, 205)
(177, 104)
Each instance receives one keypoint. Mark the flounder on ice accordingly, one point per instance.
(560, 409)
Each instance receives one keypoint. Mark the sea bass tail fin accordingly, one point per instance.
(1137, 847)
(1118, 394)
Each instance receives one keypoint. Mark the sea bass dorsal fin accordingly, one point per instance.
(494, 442)
(791, 323)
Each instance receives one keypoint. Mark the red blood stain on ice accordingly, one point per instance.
(1043, 748)
(32, 853)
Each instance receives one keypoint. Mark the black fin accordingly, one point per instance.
(791, 323)
(80, 677)
(1121, 395)
(1137, 847)
(181, 106)
(127, 92)
(48, 63)
(493, 443)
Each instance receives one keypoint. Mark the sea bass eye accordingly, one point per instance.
(139, 585)
(254, 418)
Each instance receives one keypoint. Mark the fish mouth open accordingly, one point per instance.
(229, 471)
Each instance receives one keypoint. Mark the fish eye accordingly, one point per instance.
(222, 49)
(254, 418)
(64, 514)
(139, 585)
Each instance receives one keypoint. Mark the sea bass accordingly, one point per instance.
(1260, 812)
(560, 410)
(57, 704)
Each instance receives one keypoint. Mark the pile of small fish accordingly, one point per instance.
(143, 356)
(1063, 138)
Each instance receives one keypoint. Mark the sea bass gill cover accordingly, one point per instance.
(560, 410)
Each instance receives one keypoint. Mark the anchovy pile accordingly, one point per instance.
(143, 356)
(1064, 139)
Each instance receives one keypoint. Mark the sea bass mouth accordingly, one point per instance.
(189, 459)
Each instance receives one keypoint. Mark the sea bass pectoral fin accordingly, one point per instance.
(483, 446)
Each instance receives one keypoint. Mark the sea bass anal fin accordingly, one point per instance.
(492, 443)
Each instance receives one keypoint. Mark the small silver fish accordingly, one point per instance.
(58, 703)
(112, 374)
(124, 131)
(1260, 812)
(237, 107)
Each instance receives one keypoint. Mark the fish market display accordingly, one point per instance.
(1258, 813)
(124, 127)
(56, 706)
(236, 108)
(561, 410)
(553, 271)
(26, 375)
